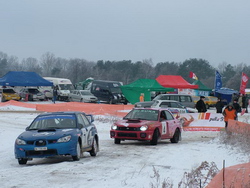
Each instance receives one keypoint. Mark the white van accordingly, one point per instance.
(64, 87)
(186, 100)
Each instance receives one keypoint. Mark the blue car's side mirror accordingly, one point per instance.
(80, 125)
(90, 117)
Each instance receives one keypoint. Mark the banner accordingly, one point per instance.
(218, 82)
(244, 80)
(202, 121)
(192, 75)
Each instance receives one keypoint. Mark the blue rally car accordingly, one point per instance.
(57, 133)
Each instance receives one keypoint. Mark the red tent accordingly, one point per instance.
(175, 81)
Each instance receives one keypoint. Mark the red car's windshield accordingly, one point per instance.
(144, 114)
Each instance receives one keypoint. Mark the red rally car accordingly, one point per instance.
(152, 124)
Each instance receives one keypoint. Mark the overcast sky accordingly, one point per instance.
(163, 30)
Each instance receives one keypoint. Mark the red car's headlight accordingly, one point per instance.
(114, 127)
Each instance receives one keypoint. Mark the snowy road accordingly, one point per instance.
(129, 164)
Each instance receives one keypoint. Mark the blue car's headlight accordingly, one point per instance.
(64, 139)
(20, 142)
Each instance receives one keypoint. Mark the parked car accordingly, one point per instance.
(47, 90)
(195, 98)
(32, 94)
(147, 124)
(210, 101)
(186, 100)
(170, 104)
(108, 91)
(9, 94)
(146, 104)
(82, 96)
(57, 133)
(149, 104)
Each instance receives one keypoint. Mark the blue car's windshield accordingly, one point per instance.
(144, 114)
(53, 122)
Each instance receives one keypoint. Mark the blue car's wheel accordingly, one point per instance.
(22, 161)
(94, 150)
(78, 152)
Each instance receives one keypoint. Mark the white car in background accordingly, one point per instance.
(171, 104)
(31, 94)
(82, 96)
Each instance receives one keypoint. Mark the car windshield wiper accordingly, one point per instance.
(48, 129)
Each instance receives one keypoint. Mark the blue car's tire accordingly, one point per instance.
(78, 152)
(94, 150)
(22, 161)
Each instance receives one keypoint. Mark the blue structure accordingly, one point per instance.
(21, 78)
(225, 94)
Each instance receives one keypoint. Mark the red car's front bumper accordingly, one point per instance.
(131, 135)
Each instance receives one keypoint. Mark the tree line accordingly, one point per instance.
(125, 71)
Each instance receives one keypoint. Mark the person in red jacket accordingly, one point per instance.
(229, 113)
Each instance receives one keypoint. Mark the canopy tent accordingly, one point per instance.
(133, 91)
(202, 89)
(225, 94)
(21, 78)
(175, 81)
(201, 86)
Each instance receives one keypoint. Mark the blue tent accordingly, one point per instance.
(225, 94)
(21, 78)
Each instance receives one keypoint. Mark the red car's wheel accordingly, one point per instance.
(155, 138)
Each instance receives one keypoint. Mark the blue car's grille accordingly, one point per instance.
(41, 143)
(30, 142)
(51, 141)
(45, 142)
(37, 153)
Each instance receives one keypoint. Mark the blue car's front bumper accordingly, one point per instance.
(51, 149)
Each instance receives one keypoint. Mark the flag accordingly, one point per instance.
(244, 80)
(218, 82)
(192, 75)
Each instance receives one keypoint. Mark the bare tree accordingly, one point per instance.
(147, 67)
(8, 63)
(31, 64)
(13, 63)
(166, 68)
(48, 62)
(3, 55)
(222, 67)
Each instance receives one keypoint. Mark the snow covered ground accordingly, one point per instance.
(129, 164)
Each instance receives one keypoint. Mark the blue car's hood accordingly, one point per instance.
(47, 134)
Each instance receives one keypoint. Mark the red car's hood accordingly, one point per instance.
(133, 123)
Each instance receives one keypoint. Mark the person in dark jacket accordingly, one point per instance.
(236, 106)
(55, 93)
(244, 103)
(200, 105)
(219, 106)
